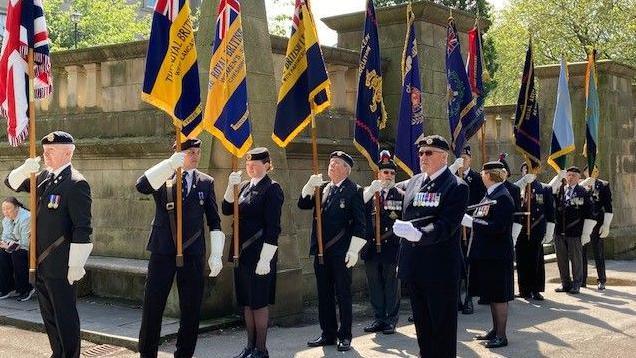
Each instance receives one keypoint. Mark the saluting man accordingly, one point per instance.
(63, 237)
(384, 286)
(199, 202)
(430, 258)
(343, 232)
(601, 195)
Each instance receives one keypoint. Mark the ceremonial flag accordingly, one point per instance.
(592, 114)
(562, 133)
(462, 111)
(477, 74)
(305, 89)
(411, 117)
(226, 112)
(527, 130)
(370, 112)
(171, 81)
(25, 29)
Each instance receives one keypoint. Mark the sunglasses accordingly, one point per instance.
(388, 172)
(428, 153)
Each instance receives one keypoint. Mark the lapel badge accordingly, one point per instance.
(201, 197)
(342, 203)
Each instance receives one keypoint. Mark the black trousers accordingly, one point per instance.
(384, 290)
(161, 272)
(59, 312)
(7, 282)
(435, 317)
(599, 256)
(334, 280)
(530, 264)
(463, 280)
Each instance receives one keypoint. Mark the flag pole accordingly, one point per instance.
(235, 227)
(179, 204)
(32, 181)
(317, 199)
(378, 236)
(529, 198)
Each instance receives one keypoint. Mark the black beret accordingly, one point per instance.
(502, 159)
(493, 165)
(574, 169)
(189, 143)
(435, 141)
(57, 137)
(386, 161)
(342, 155)
(260, 153)
(467, 150)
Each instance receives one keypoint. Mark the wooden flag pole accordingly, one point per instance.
(179, 205)
(378, 236)
(482, 139)
(317, 199)
(529, 198)
(235, 227)
(32, 181)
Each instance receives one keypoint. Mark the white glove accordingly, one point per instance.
(459, 162)
(233, 179)
(588, 226)
(369, 191)
(549, 233)
(22, 173)
(467, 221)
(217, 241)
(158, 174)
(525, 180)
(77, 256)
(406, 230)
(516, 230)
(263, 266)
(607, 220)
(588, 183)
(356, 244)
(314, 181)
(555, 183)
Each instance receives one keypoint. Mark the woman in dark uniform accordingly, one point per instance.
(491, 253)
(260, 202)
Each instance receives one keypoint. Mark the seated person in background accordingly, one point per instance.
(14, 254)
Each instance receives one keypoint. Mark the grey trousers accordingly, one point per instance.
(384, 291)
(568, 249)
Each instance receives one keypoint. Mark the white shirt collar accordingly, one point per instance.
(493, 187)
(337, 185)
(255, 181)
(438, 173)
(60, 169)
(466, 171)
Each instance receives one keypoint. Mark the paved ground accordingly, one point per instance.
(592, 324)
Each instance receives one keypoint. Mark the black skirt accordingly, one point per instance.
(491, 280)
(252, 290)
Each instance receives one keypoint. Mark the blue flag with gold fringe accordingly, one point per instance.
(527, 126)
(462, 109)
(171, 80)
(592, 114)
(226, 111)
(562, 133)
(411, 117)
(305, 88)
(370, 112)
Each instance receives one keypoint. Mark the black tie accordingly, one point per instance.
(332, 190)
(184, 184)
(426, 181)
(49, 180)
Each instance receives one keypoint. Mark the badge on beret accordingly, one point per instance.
(248, 156)
(429, 141)
(50, 137)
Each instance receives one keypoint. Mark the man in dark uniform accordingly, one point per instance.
(343, 230)
(529, 249)
(574, 225)
(601, 195)
(476, 191)
(199, 201)
(63, 237)
(384, 286)
(430, 258)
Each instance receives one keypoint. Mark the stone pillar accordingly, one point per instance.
(75, 86)
(93, 85)
(337, 74)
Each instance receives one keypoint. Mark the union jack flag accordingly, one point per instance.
(168, 8)
(227, 10)
(25, 29)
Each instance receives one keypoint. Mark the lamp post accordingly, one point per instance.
(75, 19)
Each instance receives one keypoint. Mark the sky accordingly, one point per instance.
(326, 8)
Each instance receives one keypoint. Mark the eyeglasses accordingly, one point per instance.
(388, 172)
(428, 153)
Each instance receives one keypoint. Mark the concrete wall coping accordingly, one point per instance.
(105, 263)
(578, 69)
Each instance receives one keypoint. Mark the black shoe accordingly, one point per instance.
(321, 341)
(258, 354)
(344, 345)
(375, 326)
(496, 342)
(482, 302)
(562, 289)
(537, 296)
(389, 329)
(8, 294)
(584, 285)
(601, 286)
(245, 353)
(575, 290)
(410, 319)
(486, 337)
(26, 296)
(468, 307)
(525, 296)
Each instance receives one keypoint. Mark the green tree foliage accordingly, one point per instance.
(281, 24)
(560, 28)
(102, 22)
